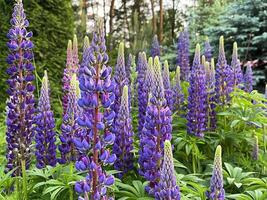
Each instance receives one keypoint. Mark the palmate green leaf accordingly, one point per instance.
(129, 188)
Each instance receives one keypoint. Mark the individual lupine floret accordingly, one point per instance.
(123, 144)
(155, 47)
(224, 77)
(141, 76)
(236, 67)
(248, 79)
(197, 99)
(120, 79)
(97, 95)
(67, 77)
(255, 153)
(216, 191)
(45, 136)
(207, 50)
(167, 188)
(69, 127)
(211, 95)
(157, 129)
(178, 95)
(20, 107)
(183, 55)
(167, 85)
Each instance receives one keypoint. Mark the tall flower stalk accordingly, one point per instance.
(183, 55)
(141, 89)
(248, 79)
(155, 47)
(157, 129)
(123, 144)
(178, 95)
(167, 85)
(97, 95)
(197, 99)
(224, 78)
(128, 69)
(207, 50)
(236, 67)
(45, 136)
(20, 107)
(216, 191)
(167, 188)
(75, 55)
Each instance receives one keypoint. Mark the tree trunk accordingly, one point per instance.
(173, 18)
(111, 15)
(153, 17)
(161, 21)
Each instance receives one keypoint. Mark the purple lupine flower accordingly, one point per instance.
(167, 85)
(97, 95)
(211, 95)
(183, 55)
(45, 136)
(142, 102)
(255, 153)
(155, 47)
(120, 79)
(167, 187)
(86, 43)
(236, 67)
(128, 67)
(86, 53)
(248, 79)
(207, 50)
(20, 107)
(149, 81)
(69, 126)
(75, 56)
(67, 77)
(197, 99)
(223, 76)
(216, 191)
(178, 95)
(123, 144)
(157, 129)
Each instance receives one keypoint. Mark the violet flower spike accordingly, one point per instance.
(224, 77)
(75, 54)
(45, 136)
(167, 187)
(236, 67)
(178, 95)
(97, 95)
(167, 85)
(157, 129)
(123, 144)
(248, 79)
(128, 69)
(20, 107)
(155, 47)
(207, 50)
(197, 99)
(216, 191)
(183, 55)
(142, 101)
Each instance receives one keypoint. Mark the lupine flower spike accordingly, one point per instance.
(128, 69)
(69, 126)
(248, 79)
(255, 153)
(75, 55)
(167, 188)
(236, 67)
(157, 129)
(167, 85)
(183, 55)
(155, 48)
(197, 99)
(207, 50)
(216, 191)
(85, 56)
(123, 144)
(67, 77)
(141, 69)
(224, 77)
(20, 107)
(97, 95)
(45, 136)
(178, 94)
(211, 95)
